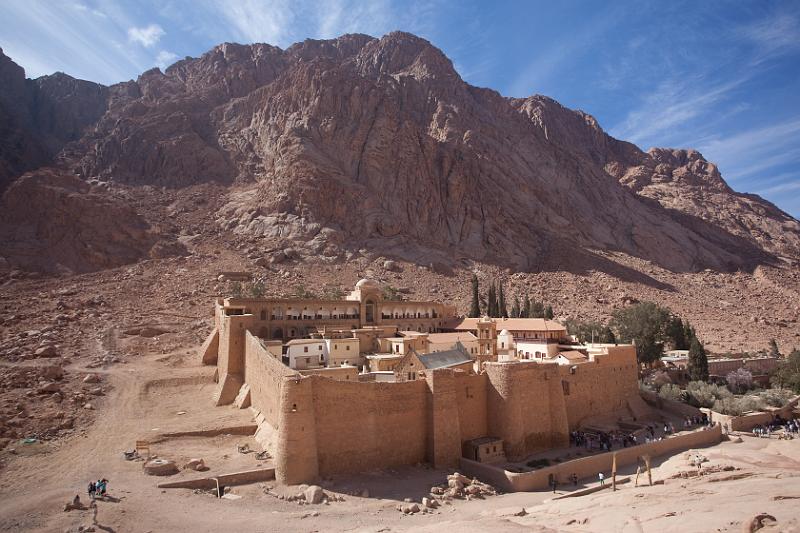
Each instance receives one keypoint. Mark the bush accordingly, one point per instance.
(776, 397)
(661, 378)
(734, 406)
(670, 392)
(702, 394)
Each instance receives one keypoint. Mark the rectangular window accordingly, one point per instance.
(305, 349)
(565, 386)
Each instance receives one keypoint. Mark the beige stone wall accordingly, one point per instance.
(471, 393)
(588, 467)
(525, 407)
(264, 374)
(600, 386)
(361, 426)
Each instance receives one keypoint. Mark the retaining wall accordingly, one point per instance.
(588, 467)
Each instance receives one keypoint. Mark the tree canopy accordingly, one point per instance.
(646, 324)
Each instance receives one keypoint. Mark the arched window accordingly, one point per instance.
(263, 314)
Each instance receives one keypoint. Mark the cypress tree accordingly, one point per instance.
(677, 334)
(502, 309)
(475, 308)
(492, 301)
(526, 308)
(698, 362)
(537, 309)
(773, 349)
(515, 308)
(548, 312)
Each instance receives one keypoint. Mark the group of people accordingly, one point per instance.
(695, 420)
(790, 428)
(97, 488)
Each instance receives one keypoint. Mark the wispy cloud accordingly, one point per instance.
(772, 36)
(147, 36)
(783, 187)
(755, 150)
(674, 102)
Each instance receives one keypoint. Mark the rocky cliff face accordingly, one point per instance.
(353, 143)
(38, 117)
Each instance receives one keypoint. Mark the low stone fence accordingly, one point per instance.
(586, 467)
(749, 421)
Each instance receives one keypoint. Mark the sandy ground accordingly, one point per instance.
(157, 394)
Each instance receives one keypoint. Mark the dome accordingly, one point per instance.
(505, 332)
(368, 284)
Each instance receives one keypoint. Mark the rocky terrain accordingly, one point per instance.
(312, 166)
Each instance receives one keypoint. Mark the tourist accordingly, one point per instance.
(91, 490)
(100, 487)
(602, 479)
(574, 479)
(554, 483)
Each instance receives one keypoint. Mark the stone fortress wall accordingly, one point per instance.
(325, 427)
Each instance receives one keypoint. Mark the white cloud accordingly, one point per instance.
(674, 103)
(147, 36)
(165, 59)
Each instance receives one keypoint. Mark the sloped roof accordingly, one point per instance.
(574, 356)
(456, 356)
(454, 337)
(511, 324)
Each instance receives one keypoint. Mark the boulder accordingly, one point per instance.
(160, 467)
(91, 378)
(757, 522)
(391, 266)
(195, 464)
(49, 388)
(46, 351)
(314, 494)
(51, 372)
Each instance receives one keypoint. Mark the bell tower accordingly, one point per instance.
(487, 337)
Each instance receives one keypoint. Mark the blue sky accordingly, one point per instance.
(719, 76)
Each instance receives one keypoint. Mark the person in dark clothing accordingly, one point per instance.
(92, 490)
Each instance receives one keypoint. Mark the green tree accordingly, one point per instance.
(515, 308)
(548, 312)
(256, 289)
(475, 308)
(788, 373)
(607, 336)
(677, 334)
(537, 309)
(526, 308)
(697, 365)
(688, 334)
(645, 324)
(236, 289)
(773, 349)
(502, 310)
(391, 293)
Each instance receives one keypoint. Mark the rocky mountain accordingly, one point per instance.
(332, 147)
(38, 117)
